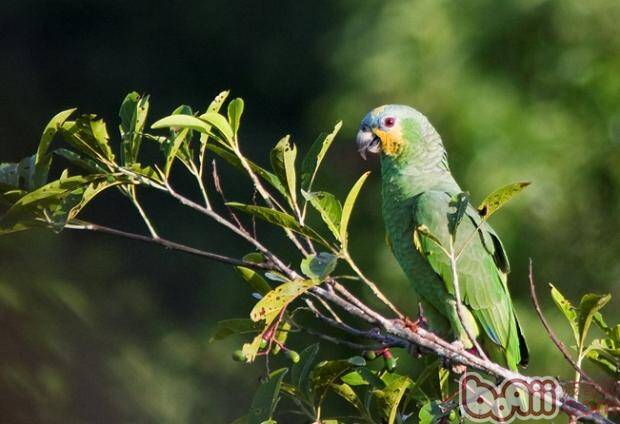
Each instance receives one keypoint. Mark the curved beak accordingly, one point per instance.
(367, 142)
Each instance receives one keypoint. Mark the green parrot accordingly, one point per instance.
(418, 191)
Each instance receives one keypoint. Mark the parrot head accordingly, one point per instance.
(393, 130)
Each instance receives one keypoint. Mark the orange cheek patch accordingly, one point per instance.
(391, 143)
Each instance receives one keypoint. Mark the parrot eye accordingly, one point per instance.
(389, 122)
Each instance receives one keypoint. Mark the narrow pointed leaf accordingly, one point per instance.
(459, 204)
(313, 159)
(347, 209)
(235, 110)
(278, 218)
(266, 398)
(329, 208)
(283, 158)
(567, 309)
(499, 198)
(590, 304)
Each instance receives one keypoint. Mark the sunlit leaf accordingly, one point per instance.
(175, 144)
(329, 207)
(590, 304)
(215, 107)
(254, 279)
(499, 197)
(235, 110)
(319, 266)
(326, 373)
(180, 121)
(278, 218)
(392, 394)
(133, 113)
(43, 158)
(567, 309)
(313, 159)
(235, 326)
(220, 123)
(280, 297)
(283, 158)
(435, 412)
(347, 209)
(89, 135)
(266, 398)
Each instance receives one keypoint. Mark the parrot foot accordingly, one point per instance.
(419, 322)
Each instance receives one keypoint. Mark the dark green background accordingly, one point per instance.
(94, 329)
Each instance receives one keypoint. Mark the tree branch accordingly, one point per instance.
(83, 225)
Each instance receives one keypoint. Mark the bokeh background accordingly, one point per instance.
(95, 329)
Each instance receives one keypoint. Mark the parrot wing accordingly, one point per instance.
(481, 268)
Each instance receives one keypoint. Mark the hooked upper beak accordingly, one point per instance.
(367, 142)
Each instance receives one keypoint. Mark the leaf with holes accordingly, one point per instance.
(569, 311)
(283, 158)
(328, 207)
(279, 298)
(318, 267)
(494, 201)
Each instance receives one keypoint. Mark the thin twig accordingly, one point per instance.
(83, 225)
(217, 183)
(373, 287)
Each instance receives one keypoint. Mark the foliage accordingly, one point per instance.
(371, 387)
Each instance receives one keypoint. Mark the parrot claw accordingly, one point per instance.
(419, 322)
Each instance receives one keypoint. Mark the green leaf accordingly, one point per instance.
(230, 327)
(347, 393)
(180, 121)
(590, 304)
(283, 158)
(235, 110)
(175, 144)
(459, 204)
(58, 201)
(395, 388)
(318, 267)
(80, 161)
(254, 279)
(326, 373)
(363, 377)
(569, 311)
(133, 113)
(90, 136)
(43, 158)
(215, 107)
(266, 398)
(278, 298)
(233, 160)
(329, 207)
(278, 218)
(499, 197)
(435, 412)
(300, 371)
(347, 209)
(312, 161)
(219, 123)
(423, 230)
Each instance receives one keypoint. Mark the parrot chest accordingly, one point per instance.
(399, 223)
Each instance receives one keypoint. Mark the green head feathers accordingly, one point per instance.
(401, 134)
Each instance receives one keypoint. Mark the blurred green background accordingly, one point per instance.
(95, 329)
